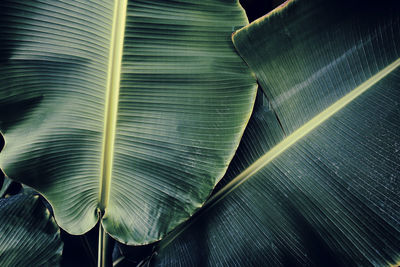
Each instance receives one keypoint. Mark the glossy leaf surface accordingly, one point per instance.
(145, 139)
(28, 234)
(316, 179)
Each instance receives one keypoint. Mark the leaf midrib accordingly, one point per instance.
(286, 143)
(302, 131)
(111, 100)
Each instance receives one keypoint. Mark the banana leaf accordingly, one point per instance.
(29, 235)
(126, 110)
(316, 179)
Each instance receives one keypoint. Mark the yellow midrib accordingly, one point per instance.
(111, 100)
(301, 132)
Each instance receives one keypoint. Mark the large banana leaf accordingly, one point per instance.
(132, 109)
(28, 234)
(316, 179)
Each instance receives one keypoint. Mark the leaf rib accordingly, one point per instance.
(284, 145)
(111, 100)
(301, 132)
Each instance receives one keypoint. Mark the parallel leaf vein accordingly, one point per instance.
(284, 145)
(301, 132)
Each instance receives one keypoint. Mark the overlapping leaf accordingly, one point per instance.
(28, 234)
(316, 179)
(185, 98)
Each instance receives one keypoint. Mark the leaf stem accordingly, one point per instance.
(105, 248)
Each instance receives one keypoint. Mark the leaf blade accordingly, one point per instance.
(185, 98)
(331, 198)
(178, 112)
(29, 234)
(54, 64)
(304, 130)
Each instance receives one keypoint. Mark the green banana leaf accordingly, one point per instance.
(130, 109)
(29, 235)
(316, 179)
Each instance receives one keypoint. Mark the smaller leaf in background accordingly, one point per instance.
(29, 235)
(125, 255)
(4, 184)
(9, 187)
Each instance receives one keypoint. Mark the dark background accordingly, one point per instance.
(258, 8)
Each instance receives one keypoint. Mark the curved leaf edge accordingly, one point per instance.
(98, 214)
(204, 203)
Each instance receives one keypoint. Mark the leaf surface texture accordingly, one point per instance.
(330, 197)
(184, 99)
(29, 235)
